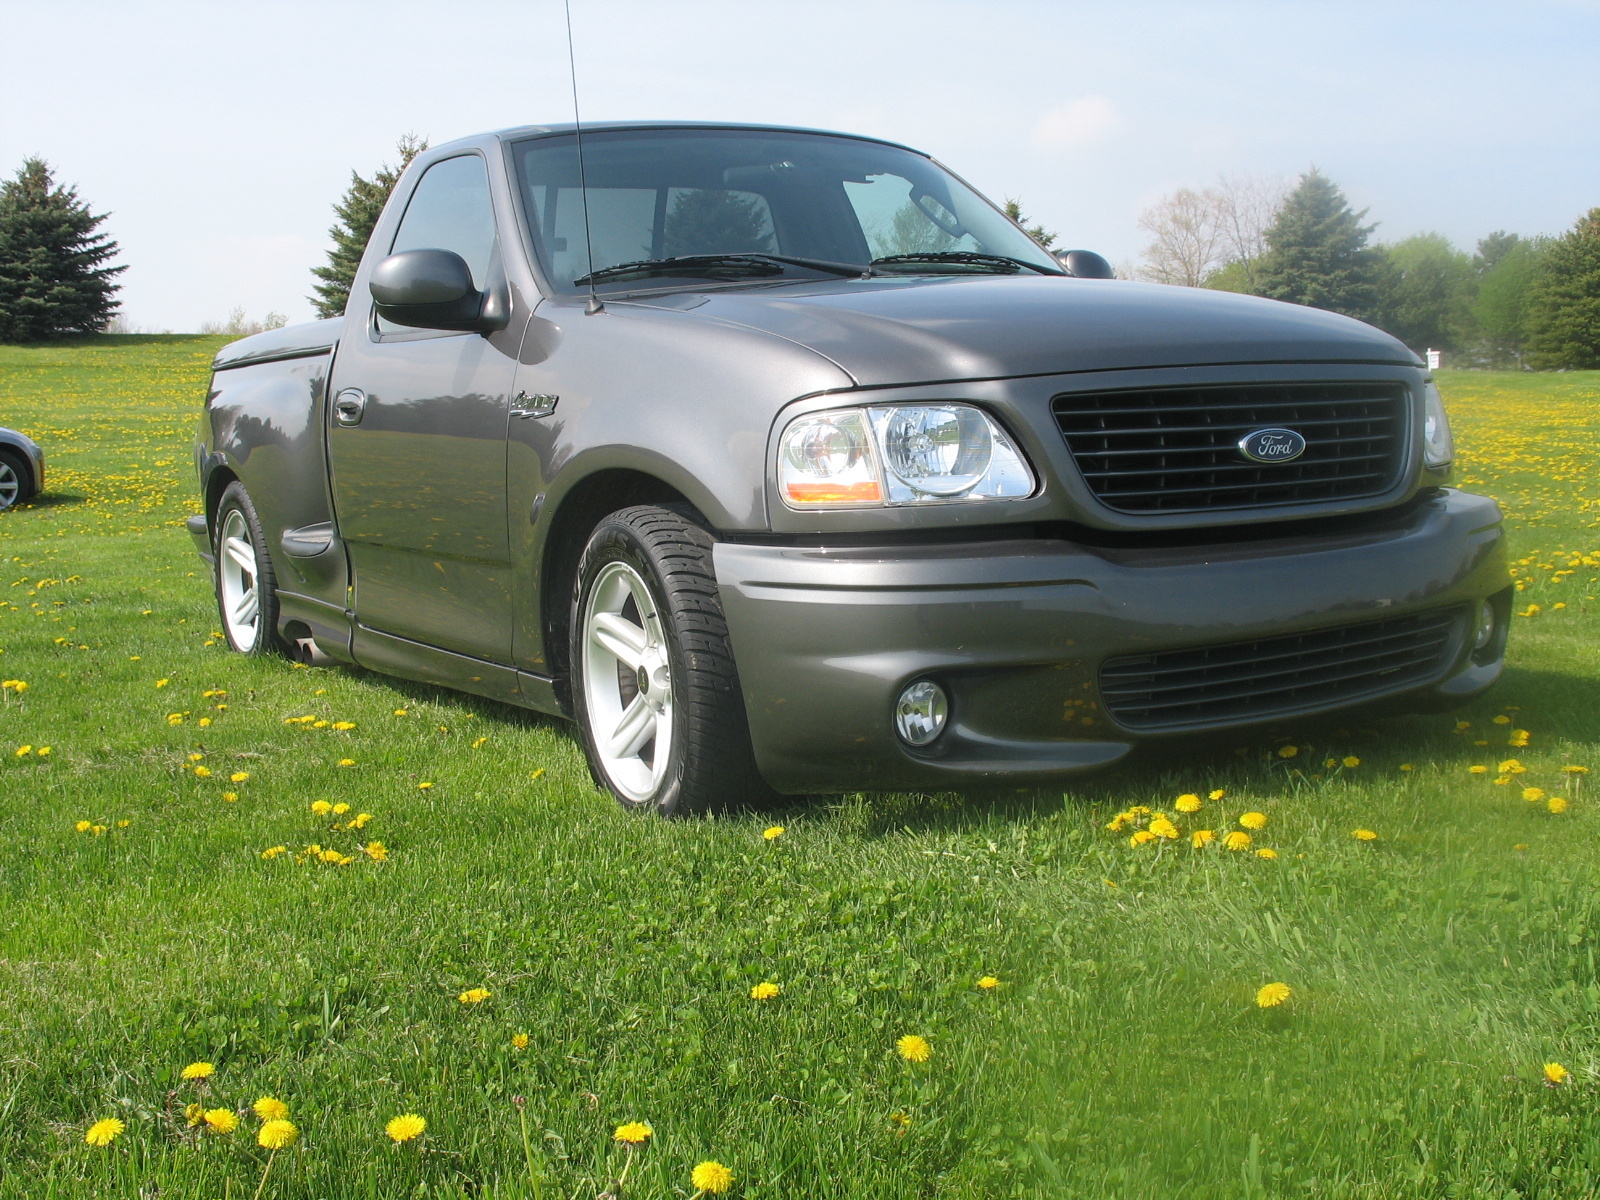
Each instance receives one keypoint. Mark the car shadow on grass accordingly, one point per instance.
(49, 500)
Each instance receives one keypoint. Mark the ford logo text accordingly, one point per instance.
(1272, 445)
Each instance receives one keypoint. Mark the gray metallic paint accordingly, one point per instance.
(692, 387)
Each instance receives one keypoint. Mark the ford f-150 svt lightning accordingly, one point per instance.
(783, 460)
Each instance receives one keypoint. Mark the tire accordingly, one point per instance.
(16, 479)
(246, 586)
(654, 687)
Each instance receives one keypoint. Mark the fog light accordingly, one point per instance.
(920, 713)
(1485, 626)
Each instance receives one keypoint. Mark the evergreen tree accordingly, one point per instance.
(1317, 253)
(52, 278)
(1501, 309)
(358, 212)
(717, 221)
(1428, 293)
(1492, 248)
(1038, 233)
(1563, 314)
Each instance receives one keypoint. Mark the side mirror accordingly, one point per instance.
(431, 289)
(1085, 264)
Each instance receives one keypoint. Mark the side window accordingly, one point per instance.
(450, 210)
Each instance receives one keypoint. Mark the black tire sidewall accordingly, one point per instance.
(615, 541)
(267, 642)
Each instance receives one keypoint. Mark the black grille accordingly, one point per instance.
(1176, 449)
(1278, 676)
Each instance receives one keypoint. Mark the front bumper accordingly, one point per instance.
(826, 638)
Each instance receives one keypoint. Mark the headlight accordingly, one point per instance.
(898, 454)
(1438, 448)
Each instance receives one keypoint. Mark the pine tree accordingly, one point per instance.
(52, 281)
(1038, 233)
(1318, 254)
(358, 212)
(1563, 309)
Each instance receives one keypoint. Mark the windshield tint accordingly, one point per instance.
(660, 193)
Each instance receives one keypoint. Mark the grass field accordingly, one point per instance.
(1434, 970)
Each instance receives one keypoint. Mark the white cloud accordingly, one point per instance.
(1081, 123)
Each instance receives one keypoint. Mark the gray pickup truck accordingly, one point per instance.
(781, 460)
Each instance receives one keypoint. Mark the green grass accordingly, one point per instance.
(1434, 970)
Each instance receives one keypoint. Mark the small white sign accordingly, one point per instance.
(1435, 360)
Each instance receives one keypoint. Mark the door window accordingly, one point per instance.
(450, 210)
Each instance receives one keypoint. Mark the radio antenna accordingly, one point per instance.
(594, 305)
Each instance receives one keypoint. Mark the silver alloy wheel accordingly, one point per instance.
(10, 485)
(240, 583)
(627, 682)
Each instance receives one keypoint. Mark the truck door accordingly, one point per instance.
(417, 444)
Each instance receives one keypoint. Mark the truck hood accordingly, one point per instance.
(887, 332)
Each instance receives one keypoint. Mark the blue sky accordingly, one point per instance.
(219, 133)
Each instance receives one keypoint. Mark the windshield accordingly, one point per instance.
(663, 193)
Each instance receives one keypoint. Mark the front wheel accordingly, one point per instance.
(247, 590)
(654, 686)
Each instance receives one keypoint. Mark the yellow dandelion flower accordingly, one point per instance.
(160, 683)
(98, 830)
(1187, 803)
(221, 1120)
(1288, 751)
(1407, 767)
(230, 797)
(475, 995)
(424, 786)
(1140, 837)
(399, 712)
(272, 852)
(346, 762)
(1555, 1073)
(1350, 760)
(321, 807)
(42, 752)
(1330, 763)
(24, 751)
(342, 726)
(195, 1114)
(199, 1070)
(772, 833)
(104, 1131)
(1477, 770)
(330, 855)
(634, 1133)
(84, 826)
(405, 1127)
(1237, 840)
(238, 776)
(277, 1134)
(764, 991)
(1518, 738)
(711, 1177)
(1216, 794)
(1364, 835)
(202, 772)
(1266, 852)
(1201, 838)
(269, 1108)
(1556, 804)
(340, 809)
(1163, 828)
(1533, 794)
(519, 1041)
(476, 742)
(1512, 766)
(1502, 720)
(1253, 820)
(377, 851)
(1273, 994)
(914, 1049)
(988, 983)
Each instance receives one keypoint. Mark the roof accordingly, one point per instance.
(516, 132)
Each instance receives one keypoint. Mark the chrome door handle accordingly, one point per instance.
(349, 406)
(539, 405)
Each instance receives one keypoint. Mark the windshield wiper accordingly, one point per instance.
(727, 265)
(999, 264)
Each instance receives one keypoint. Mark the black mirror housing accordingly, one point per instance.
(1085, 264)
(432, 289)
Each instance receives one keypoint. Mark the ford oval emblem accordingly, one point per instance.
(1272, 445)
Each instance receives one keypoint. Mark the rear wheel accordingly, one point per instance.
(654, 686)
(16, 480)
(247, 590)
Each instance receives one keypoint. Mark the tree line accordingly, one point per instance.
(1530, 302)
